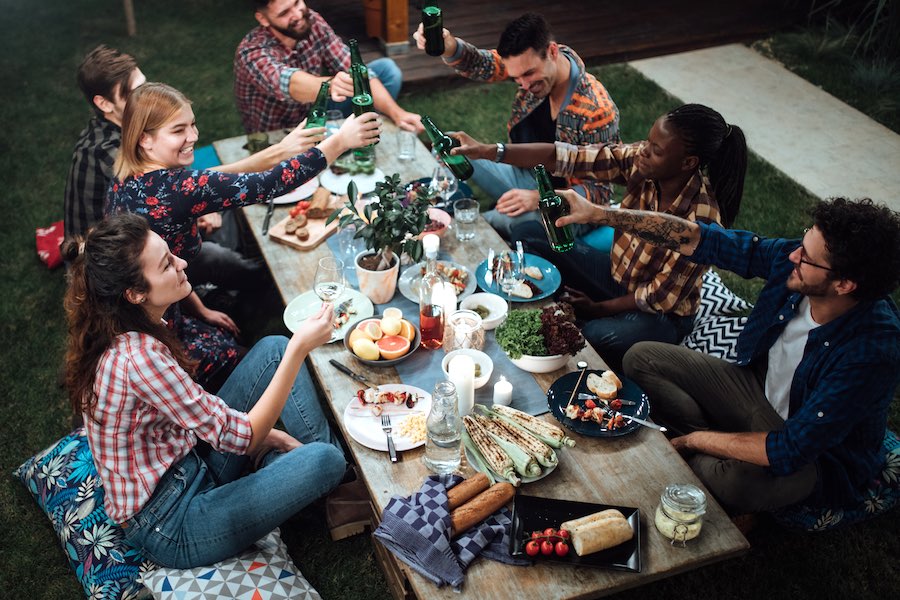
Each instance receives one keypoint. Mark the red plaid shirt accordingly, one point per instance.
(149, 415)
(263, 69)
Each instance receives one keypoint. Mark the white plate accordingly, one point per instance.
(544, 470)
(301, 193)
(366, 428)
(305, 305)
(337, 184)
(409, 281)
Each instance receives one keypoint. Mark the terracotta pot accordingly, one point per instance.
(378, 286)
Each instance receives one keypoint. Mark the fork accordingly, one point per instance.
(386, 427)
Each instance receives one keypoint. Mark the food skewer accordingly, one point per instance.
(583, 366)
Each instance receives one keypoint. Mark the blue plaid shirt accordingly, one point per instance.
(842, 387)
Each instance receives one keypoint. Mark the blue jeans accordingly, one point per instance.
(383, 69)
(587, 269)
(203, 511)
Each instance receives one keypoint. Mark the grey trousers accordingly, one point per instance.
(690, 391)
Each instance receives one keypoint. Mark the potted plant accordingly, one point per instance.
(389, 227)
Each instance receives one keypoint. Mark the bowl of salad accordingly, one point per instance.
(540, 340)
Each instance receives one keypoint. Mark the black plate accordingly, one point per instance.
(561, 389)
(531, 513)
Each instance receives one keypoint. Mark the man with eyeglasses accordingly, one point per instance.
(801, 415)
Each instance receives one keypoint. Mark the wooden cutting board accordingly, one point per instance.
(318, 230)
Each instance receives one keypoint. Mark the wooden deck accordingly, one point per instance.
(601, 32)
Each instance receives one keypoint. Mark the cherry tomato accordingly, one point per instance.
(561, 548)
(537, 535)
(563, 533)
(590, 404)
(546, 547)
(616, 404)
(303, 206)
(532, 548)
(549, 531)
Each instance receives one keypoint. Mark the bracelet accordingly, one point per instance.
(501, 150)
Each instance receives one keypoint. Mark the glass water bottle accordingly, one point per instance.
(444, 430)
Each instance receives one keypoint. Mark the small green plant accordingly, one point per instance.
(390, 226)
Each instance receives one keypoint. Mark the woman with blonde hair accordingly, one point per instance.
(171, 456)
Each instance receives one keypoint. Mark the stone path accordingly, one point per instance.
(828, 147)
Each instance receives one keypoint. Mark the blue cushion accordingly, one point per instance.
(881, 494)
(65, 484)
(600, 238)
(205, 157)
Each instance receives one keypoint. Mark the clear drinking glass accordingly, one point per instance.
(333, 120)
(443, 183)
(508, 275)
(465, 212)
(407, 145)
(329, 281)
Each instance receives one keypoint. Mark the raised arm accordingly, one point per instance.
(660, 229)
(518, 155)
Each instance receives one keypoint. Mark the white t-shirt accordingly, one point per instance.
(784, 356)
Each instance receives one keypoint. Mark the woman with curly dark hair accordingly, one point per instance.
(171, 455)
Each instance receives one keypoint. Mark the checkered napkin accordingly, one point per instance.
(417, 531)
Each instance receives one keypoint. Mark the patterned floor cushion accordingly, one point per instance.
(882, 494)
(717, 324)
(262, 572)
(63, 481)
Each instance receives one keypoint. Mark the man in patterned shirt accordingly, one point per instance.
(280, 65)
(801, 415)
(105, 77)
(557, 100)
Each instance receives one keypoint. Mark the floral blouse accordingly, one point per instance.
(172, 199)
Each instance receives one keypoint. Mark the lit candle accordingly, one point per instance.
(503, 392)
(462, 374)
(448, 302)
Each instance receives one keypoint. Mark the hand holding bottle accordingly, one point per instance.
(341, 86)
(299, 140)
(449, 41)
(472, 148)
(581, 210)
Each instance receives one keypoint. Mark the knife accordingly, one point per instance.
(649, 424)
(348, 372)
(268, 218)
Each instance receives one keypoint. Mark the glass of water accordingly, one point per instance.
(465, 212)
(333, 120)
(329, 281)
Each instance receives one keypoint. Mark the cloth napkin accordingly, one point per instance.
(417, 530)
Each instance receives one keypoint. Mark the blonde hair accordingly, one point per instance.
(150, 106)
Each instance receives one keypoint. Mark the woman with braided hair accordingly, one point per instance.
(691, 165)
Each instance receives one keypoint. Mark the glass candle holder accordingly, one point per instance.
(464, 330)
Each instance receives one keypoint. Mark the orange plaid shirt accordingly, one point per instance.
(661, 280)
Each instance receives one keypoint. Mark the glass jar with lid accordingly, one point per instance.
(679, 515)
(464, 330)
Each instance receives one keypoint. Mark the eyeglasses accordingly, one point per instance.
(803, 255)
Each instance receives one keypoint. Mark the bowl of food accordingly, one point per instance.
(382, 342)
(490, 307)
(540, 340)
(484, 366)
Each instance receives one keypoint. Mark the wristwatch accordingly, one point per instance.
(501, 150)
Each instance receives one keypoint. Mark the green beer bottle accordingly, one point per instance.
(442, 143)
(316, 116)
(362, 103)
(433, 24)
(553, 207)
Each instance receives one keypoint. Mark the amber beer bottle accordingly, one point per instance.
(442, 143)
(433, 24)
(316, 116)
(553, 207)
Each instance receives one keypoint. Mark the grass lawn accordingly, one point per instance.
(190, 45)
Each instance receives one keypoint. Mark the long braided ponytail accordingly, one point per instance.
(722, 150)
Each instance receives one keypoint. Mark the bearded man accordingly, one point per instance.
(280, 65)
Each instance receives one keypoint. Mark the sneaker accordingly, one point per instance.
(348, 511)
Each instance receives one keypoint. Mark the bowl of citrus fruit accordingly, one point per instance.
(384, 341)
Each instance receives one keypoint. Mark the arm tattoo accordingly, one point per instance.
(660, 229)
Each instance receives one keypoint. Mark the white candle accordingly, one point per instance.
(430, 243)
(462, 374)
(503, 392)
(449, 299)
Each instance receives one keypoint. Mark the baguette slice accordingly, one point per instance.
(613, 379)
(522, 290)
(610, 513)
(601, 535)
(602, 387)
(533, 272)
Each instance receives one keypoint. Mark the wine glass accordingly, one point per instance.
(508, 275)
(443, 183)
(329, 281)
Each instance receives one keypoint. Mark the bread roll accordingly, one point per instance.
(613, 379)
(600, 535)
(480, 507)
(602, 387)
(465, 490)
(609, 513)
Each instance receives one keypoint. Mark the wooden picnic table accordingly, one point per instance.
(631, 470)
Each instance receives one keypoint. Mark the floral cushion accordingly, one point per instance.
(64, 483)
(262, 572)
(881, 494)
